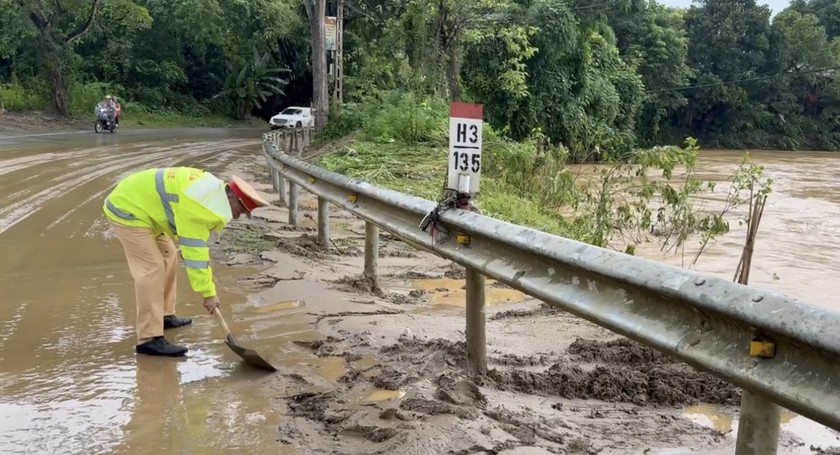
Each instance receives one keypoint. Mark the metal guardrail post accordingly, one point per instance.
(272, 174)
(476, 321)
(278, 179)
(372, 253)
(293, 204)
(758, 426)
(282, 190)
(323, 222)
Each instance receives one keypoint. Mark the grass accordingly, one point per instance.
(248, 239)
(151, 120)
(420, 170)
(399, 141)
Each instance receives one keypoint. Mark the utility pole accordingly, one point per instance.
(316, 10)
(338, 90)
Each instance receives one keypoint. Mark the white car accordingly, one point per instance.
(293, 117)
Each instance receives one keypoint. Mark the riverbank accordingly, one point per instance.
(16, 122)
(557, 384)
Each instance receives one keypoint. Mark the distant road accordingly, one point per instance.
(64, 140)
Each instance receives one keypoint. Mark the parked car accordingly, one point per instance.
(293, 117)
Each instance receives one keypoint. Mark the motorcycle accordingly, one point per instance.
(105, 119)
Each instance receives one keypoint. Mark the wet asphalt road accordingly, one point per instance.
(69, 377)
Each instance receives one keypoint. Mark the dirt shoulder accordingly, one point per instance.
(38, 122)
(556, 383)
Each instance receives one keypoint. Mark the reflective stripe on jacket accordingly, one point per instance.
(185, 203)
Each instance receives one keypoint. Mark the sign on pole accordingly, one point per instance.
(465, 126)
(330, 32)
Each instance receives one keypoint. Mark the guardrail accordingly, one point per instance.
(777, 349)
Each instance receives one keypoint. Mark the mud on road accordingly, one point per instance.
(556, 383)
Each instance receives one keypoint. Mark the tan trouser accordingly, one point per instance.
(152, 263)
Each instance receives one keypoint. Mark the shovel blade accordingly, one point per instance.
(248, 355)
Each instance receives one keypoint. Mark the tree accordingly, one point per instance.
(250, 84)
(316, 11)
(728, 41)
(59, 35)
(805, 97)
(547, 71)
(827, 12)
(653, 38)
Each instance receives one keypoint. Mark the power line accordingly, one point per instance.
(737, 81)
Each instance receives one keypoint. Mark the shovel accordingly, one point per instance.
(248, 355)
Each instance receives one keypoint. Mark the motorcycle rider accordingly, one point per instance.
(108, 103)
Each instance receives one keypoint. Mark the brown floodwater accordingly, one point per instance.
(796, 252)
(71, 383)
(798, 243)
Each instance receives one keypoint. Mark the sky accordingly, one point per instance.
(776, 6)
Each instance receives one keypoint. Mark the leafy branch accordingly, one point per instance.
(250, 83)
(624, 204)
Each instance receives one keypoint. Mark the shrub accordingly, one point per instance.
(14, 97)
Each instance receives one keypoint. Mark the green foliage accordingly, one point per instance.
(649, 195)
(83, 97)
(405, 117)
(393, 116)
(594, 80)
(15, 97)
(420, 170)
(250, 83)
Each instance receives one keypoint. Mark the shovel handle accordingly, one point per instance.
(218, 313)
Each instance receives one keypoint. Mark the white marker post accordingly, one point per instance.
(465, 127)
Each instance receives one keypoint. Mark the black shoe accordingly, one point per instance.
(171, 322)
(160, 346)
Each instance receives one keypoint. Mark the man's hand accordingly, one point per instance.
(210, 303)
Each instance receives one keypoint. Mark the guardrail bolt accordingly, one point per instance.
(757, 298)
(699, 281)
(762, 348)
(707, 326)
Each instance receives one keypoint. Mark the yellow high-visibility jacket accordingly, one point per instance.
(184, 203)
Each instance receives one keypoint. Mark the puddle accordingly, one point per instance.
(332, 368)
(711, 416)
(279, 306)
(365, 363)
(450, 292)
(724, 421)
(379, 395)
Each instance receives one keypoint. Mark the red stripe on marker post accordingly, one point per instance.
(466, 110)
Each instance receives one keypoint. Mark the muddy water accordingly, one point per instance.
(70, 382)
(797, 250)
(798, 243)
(69, 379)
